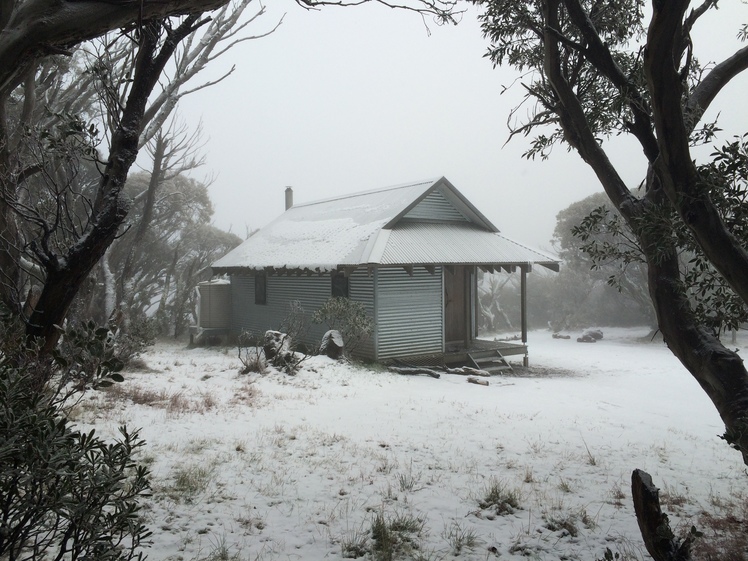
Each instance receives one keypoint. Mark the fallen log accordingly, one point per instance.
(414, 371)
(472, 380)
(468, 371)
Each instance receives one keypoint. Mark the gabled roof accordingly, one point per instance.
(424, 223)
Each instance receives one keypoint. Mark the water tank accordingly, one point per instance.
(214, 310)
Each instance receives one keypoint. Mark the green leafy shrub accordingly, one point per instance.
(86, 358)
(348, 317)
(66, 494)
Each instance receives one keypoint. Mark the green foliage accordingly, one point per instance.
(515, 32)
(610, 245)
(348, 317)
(66, 494)
(86, 359)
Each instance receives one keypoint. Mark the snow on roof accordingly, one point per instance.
(454, 244)
(350, 230)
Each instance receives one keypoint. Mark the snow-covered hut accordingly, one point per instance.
(410, 253)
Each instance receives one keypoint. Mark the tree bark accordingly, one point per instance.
(145, 219)
(35, 28)
(654, 526)
(10, 256)
(719, 371)
(675, 166)
(65, 274)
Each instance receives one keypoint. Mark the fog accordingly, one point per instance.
(343, 100)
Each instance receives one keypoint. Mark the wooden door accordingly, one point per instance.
(455, 305)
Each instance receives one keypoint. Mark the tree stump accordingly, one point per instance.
(274, 344)
(654, 526)
(332, 344)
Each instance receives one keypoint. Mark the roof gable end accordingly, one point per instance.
(442, 202)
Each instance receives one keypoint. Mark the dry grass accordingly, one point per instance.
(725, 533)
(175, 404)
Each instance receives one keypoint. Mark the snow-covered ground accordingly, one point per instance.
(278, 467)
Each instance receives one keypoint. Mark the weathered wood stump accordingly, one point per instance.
(274, 344)
(654, 526)
(332, 344)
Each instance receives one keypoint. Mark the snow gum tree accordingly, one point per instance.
(66, 267)
(32, 32)
(593, 69)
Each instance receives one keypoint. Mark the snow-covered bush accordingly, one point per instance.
(66, 494)
(250, 353)
(348, 317)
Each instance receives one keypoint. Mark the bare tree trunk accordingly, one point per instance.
(720, 371)
(157, 173)
(65, 274)
(10, 269)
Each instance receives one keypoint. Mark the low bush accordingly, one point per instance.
(66, 494)
(250, 353)
(348, 317)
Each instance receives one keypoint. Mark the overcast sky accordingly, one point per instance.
(344, 100)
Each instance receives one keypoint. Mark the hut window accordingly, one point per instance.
(339, 285)
(261, 289)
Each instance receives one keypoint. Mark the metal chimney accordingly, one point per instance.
(289, 197)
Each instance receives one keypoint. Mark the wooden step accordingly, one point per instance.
(490, 361)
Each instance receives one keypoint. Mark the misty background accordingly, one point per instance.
(341, 100)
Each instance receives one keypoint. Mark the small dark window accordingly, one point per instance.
(261, 289)
(339, 285)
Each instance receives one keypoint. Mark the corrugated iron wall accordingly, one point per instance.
(361, 289)
(410, 314)
(435, 207)
(311, 292)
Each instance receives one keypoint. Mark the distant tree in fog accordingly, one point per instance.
(598, 248)
(156, 265)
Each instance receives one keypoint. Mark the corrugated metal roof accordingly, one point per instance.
(368, 228)
(454, 244)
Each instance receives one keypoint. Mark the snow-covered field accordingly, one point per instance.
(278, 467)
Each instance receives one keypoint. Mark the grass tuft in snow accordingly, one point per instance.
(409, 480)
(189, 482)
(355, 545)
(395, 535)
(724, 534)
(564, 522)
(458, 537)
(500, 498)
